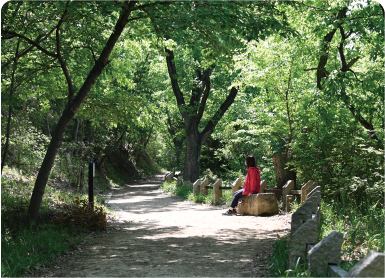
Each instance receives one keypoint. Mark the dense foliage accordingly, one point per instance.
(195, 86)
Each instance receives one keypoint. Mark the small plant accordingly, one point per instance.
(182, 191)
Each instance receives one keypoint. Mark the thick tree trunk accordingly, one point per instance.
(282, 175)
(193, 115)
(193, 153)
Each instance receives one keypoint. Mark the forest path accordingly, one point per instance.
(161, 235)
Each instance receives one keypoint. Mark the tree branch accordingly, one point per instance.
(218, 115)
(37, 45)
(324, 58)
(174, 81)
(352, 62)
(206, 76)
(362, 82)
(141, 7)
(61, 61)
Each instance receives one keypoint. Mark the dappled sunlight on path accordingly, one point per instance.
(159, 235)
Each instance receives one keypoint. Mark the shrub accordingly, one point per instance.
(85, 214)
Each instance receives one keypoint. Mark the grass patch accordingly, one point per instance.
(363, 229)
(280, 261)
(29, 248)
(185, 192)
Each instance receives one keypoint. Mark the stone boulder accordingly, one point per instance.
(258, 204)
(370, 266)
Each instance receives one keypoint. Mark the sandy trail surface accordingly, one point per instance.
(160, 235)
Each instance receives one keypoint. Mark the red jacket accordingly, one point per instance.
(252, 182)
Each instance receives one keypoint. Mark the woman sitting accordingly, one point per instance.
(250, 186)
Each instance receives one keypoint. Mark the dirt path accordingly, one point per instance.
(160, 235)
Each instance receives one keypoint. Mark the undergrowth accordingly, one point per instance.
(64, 220)
(185, 192)
(363, 230)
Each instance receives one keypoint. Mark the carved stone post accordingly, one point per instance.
(217, 190)
(286, 190)
(237, 185)
(303, 191)
(204, 190)
(196, 185)
(263, 186)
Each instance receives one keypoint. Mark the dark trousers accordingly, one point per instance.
(236, 197)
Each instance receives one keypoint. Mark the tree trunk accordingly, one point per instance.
(75, 131)
(46, 166)
(70, 111)
(10, 107)
(193, 115)
(282, 175)
(178, 143)
(193, 151)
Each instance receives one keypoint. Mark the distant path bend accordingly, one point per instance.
(161, 235)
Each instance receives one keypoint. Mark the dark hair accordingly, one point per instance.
(250, 161)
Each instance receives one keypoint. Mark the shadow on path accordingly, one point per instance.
(160, 235)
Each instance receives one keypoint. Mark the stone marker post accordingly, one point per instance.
(289, 200)
(303, 191)
(286, 190)
(263, 186)
(204, 190)
(300, 216)
(217, 190)
(196, 185)
(237, 185)
(169, 177)
(305, 234)
(370, 266)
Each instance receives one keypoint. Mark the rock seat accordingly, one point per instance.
(258, 204)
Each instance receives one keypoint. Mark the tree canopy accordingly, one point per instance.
(197, 85)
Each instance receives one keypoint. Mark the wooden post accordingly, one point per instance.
(217, 190)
